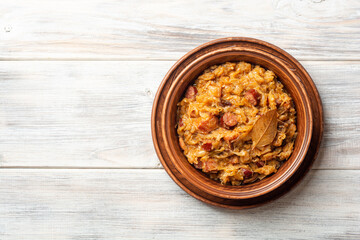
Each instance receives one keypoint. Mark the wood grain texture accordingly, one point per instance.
(78, 113)
(97, 114)
(138, 204)
(93, 29)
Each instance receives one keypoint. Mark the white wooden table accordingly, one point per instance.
(77, 81)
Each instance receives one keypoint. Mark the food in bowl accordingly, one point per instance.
(237, 123)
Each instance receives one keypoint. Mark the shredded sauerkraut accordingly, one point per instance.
(217, 116)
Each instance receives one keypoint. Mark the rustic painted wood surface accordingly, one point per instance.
(93, 29)
(97, 113)
(113, 204)
(76, 157)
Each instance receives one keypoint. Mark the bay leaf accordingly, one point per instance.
(264, 130)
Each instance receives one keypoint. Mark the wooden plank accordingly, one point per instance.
(139, 204)
(93, 114)
(97, 114)
(92, 29)
(341, 112)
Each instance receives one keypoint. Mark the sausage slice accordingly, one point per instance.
(228, 119)
(191, 93)
(253, 96)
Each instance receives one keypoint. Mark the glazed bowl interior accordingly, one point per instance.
(292, 85)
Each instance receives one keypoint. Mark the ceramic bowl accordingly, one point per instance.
(184, 72)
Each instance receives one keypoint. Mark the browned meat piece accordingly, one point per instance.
(225, 103)
(252, 179)
(229, 119)
(260, 164)
(253, 96)
(210, 166)
(199, 165)
(209, 124)
(181, 122)
(247, 173)
(191, 93)
(231, 137)
(207, 146)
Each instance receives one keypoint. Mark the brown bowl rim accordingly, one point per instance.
(318, 116)
(240, 193)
